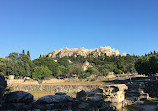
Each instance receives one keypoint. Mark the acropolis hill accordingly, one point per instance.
(102, 51)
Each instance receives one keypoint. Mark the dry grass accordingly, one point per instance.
(38, 94)
(78, 83)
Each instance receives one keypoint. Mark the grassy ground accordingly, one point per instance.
(38, 94)
(79, 83)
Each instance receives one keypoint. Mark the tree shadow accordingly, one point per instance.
(117, 81)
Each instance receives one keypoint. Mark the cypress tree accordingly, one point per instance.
(28, 53)
(23, 51)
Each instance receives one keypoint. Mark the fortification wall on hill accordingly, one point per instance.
(102, 51)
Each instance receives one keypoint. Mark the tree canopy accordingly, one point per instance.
(147, 64)
(21, 65)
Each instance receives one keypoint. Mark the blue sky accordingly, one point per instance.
(41, 26)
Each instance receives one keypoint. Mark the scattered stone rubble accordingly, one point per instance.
(98, 100)
(141, 88)
(106, 98)
(23, 101)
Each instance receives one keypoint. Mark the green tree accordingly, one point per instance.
(116, 70)
(153, 64)
(103, 71)
(23, 51)
(22, 64)
(147, 65)
(63, 61)
(49, 62)
(93, 70)
(75, 69)
(64, 70)
(121, 67)
(41, 72)
(84, 75)
(28, 53)
(14, 57)
(5, 66)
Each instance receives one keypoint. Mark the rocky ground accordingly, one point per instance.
(110, 98)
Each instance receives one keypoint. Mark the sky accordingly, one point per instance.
(42, 26)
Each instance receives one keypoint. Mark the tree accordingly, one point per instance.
(116, 70)
(28, 53)
(153, 64)
(64, 70)
(5, 66)
(22, 64)
(49, 62)
(41, 72)
(147, 65)
(23, 51)
(75, 69)
(14, 57)
(63, 61)
(93, 70)
(103, 71)
(84, 75)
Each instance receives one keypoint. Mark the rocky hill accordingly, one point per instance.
(108, 51)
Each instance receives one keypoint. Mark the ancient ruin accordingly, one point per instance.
(102, 51)
(110, 97)
(90, 100)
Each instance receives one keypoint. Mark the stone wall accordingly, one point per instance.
(106, 93)
(33, 82)
(55, 88)
(65, 88)
(21, 81)
(151, 88)
(148, 84)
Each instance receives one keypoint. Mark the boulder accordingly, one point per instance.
(81, 96)
(96, 99)
(68, 98)
(3, 85)
(19, 97)
(83, 106)
(53, 99)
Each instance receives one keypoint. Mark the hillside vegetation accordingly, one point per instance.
(20, 65)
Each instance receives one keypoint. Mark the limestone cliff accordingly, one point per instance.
(108, 51)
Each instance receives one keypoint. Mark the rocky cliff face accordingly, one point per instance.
(108, 51)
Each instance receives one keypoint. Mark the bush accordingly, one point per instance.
(84, 75)
(41, 72)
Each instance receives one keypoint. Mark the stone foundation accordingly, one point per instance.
(63, 88)
(109, 93)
